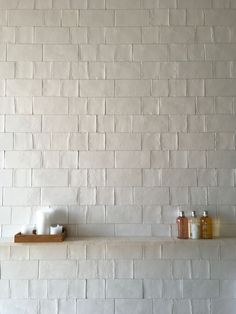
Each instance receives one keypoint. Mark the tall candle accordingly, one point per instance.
(44, 220)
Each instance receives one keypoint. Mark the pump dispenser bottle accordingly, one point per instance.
(182, 224)
(206, 226)
(194, 226)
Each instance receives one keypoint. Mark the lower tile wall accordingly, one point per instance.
(119, 276)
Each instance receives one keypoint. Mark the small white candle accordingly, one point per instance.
(27, 229)
(57, 229)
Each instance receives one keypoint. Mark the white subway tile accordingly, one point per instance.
(66, 306)
(150, 123)
(181, 269)
(151, 196)
(5, 177)
(139, 306)
(124, 251)
(23, 123)
(150, 52)
(21, 196)
(52, 17)
(57, 288)
(115, 177)
(152, 214)
(132, 159)
(124, 35)
(122, 4)
(76, 289)
(220, 159)
(60, 123)
(25, 17)
(60, 53)
(96, 141)
(218, 306)
(19, 289)
(124, 288)
(69, 18)
(192, 4)
(6, 141)
(128, 230)
(78, 141)
(19, 270)
(44, 252)
(22, 159)
(152, 269)
(24, 52)
(134, 88)
(59, 196)
(162, 305)
(14, 306)
(48, 306)
(123, 106)
(181, 306)
(24, 88)
(4, 289)
(123, 214)
(97, 88)
(201, 289)
(177, 105)
(99, 18)
(98, 306)
(132, 17)
(123, 141)
(200, 270)
(57, 269)
(68, 159)
(177, 250)
(38, 289)
(96, 160)
(123, 269)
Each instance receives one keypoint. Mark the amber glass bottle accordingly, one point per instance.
(182, 224)
(206, 226)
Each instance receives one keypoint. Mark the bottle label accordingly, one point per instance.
(195, 231)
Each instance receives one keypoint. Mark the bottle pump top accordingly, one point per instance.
(181, 213)
(205, 213)
(194, 213)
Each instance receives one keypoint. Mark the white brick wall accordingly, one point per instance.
(117, 112)
(119, 276)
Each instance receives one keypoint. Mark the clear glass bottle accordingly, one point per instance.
(216, 227)
(194, 226)
(206, 226)
(182, 224)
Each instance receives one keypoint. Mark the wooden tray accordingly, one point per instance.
(34, 238)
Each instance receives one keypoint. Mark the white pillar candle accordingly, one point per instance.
(57, 229)
(44, 221)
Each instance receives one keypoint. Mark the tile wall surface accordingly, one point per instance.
(115, 277)
(117, 112)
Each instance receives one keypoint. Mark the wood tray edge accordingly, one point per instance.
(34, 238)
